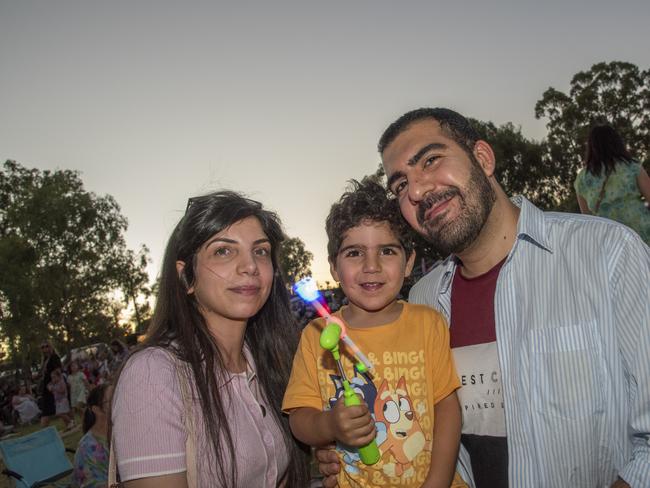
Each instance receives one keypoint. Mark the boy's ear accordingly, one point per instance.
(333, 272)
(409, 265)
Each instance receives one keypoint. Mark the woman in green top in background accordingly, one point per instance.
(612, 182)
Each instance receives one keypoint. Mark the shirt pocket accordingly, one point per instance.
(566, 371)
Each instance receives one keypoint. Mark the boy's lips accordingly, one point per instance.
(371, 285)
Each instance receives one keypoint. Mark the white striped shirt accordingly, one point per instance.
(572, 313)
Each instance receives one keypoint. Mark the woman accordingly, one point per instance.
(91, 458)
(199, 403)
(611, 183)
(51, 362)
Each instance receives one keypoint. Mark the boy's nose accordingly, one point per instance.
(371, 264)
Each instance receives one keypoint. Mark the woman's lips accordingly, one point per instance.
(245, 290)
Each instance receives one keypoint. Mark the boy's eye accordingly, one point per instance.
(352, 253)
(388, 251)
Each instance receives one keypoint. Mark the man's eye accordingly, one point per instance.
(399, 187)
(430, 160)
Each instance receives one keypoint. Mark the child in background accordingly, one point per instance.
(59, 389)
(413, 379)
(78, 387)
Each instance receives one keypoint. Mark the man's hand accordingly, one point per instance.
(353, 425)
(328, 465)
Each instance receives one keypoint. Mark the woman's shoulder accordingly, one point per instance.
(150, 365)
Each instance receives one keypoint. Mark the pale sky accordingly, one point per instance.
(157, 101)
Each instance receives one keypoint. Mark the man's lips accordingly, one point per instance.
(434, 205)
(437, 208)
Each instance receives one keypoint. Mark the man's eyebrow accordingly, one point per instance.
(418, 155)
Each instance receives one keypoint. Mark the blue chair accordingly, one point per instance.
(37, 459)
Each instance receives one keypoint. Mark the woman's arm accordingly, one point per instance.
(176, 480)
(446, 442)
(643, 181)
(582, 203)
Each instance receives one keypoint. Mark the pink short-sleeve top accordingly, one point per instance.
(149, 434)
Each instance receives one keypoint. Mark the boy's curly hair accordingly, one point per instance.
(369, 201)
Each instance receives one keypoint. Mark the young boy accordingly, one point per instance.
(413, 379)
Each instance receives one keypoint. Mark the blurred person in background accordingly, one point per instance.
(612, 182)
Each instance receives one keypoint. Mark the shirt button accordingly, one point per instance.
(268, 440)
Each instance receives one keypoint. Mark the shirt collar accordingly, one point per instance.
(251, 368)
(531, 226)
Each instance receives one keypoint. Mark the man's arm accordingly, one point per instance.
(446, 442)
(630, 284)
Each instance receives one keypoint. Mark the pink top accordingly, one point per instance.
(150, 435)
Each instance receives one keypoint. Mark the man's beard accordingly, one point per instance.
(476, 201)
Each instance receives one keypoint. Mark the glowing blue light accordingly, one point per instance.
(307, 289)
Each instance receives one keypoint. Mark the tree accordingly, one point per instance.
(295, 260)
(62, 253)
(617, 93)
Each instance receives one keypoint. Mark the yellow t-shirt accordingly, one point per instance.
(413, 370)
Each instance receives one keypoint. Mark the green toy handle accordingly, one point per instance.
(369, 453)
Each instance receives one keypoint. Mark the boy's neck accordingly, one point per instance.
(363, 319)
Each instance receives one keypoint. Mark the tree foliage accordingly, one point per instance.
(617, 93)
(63, 255)
(295, 260)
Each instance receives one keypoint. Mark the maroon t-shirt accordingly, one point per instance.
(473, 340)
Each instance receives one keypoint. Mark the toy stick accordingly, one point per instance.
(329, 340)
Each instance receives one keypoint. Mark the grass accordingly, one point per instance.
(70, 440)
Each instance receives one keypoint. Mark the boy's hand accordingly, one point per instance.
(353, 425)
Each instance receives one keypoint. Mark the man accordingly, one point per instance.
(549, 317)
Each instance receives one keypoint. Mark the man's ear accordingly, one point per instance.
(180, 269)
(485, 156)
(409, 264)
(333, 272)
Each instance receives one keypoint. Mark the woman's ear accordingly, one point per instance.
(180, 269)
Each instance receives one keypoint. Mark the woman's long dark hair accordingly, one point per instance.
(605, 148)
(95, 399)
(271, 335)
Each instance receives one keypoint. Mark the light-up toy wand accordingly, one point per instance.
(329, 340)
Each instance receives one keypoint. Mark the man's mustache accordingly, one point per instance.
(432, 199)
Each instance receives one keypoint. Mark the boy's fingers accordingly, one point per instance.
(330, 482)
(327, 455)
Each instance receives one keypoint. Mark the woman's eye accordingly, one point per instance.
(222, 251)
(262, 252)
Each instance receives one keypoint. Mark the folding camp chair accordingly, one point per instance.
(37, 459)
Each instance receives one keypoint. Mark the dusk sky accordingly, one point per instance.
(157, 101)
